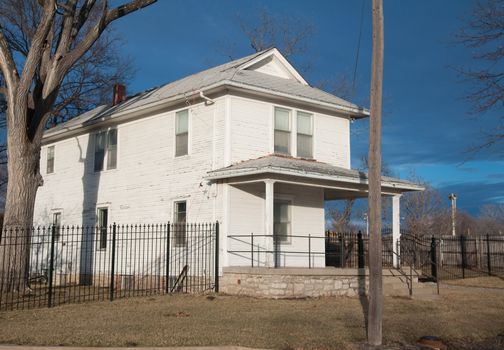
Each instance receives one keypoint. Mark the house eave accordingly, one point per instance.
(215, 176)
(144, 110)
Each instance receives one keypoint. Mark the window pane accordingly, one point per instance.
(179, 216)
(112, 149)
(304, 146)
(282, 142)
(50, 159)
(181, 144)
(102, 228)
(282, 225)
(99, 151)
(57, 224)
(282, 121)
(182, 123)
(304, 123)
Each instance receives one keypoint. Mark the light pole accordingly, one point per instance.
(453, 198)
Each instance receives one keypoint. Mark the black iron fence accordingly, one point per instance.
(48, 266)
(456, 257)
(434, 258)
(333, 249)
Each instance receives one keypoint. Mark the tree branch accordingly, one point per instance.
(37, 47)
(8, 66)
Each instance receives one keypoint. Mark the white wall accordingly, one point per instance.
(247, 212)
(252, 123)
(148, 178)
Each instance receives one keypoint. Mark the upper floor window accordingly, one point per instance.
(304, 135)
(282, 130)
(105, 149)
(181, 133)
(50, 159)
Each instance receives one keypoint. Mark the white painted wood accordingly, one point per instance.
(268, 218)
(396, 227)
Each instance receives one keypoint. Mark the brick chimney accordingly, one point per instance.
(119, 94)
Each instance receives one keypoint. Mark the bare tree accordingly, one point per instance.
(290, 35)
(62, 34)
(491, 219)
(341, 219)
(483, 34)
(422, 210)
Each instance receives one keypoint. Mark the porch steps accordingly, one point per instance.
(396, 283)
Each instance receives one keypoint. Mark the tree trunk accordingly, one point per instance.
(374, 198)
(23, 181)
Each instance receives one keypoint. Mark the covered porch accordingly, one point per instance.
(274, 209)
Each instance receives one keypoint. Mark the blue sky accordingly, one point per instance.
(427, 129)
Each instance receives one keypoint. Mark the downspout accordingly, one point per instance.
(207, 99)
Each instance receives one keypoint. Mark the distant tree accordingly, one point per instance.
(289, 34)
(341, 219)
(491, 219)
(41, 43)
(483, 35)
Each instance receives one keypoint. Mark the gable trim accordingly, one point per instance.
(281, 58)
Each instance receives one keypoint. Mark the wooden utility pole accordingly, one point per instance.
(374, 197)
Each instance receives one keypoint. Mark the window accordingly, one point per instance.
(282, 221)
(181, 133)
(282, 130)
(50, 159)
(56, 221)
(102, 228)
(304, 135)
(105, 145)
(179, 218)
(112, 149)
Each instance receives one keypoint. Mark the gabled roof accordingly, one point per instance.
(252, 73)
(286, 165)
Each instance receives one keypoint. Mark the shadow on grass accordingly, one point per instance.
(363, 296)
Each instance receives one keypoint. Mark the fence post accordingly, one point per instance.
(252, 248)
(112, 263)
(216, 257)
(433, 258)
(309, 251)
(360, 250)
(342, 251)
(51, 268)
(463, 254)
(167, 276)
(488, 255)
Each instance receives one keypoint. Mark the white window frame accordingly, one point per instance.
(105, 157)
(291, 128)
(189, 132)
(99, 232)
(176, 240)
(290, 200)
(312, 135)
(58, 229)
(54, 159)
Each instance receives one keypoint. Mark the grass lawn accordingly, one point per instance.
(183, 320)
(483, 282)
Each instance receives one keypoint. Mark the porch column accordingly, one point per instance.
(396, 227)
(268, 221)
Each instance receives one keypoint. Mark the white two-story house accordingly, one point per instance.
(249, 144)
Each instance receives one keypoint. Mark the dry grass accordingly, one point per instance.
(224, 320)
(483, 282)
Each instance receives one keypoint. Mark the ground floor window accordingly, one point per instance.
(102, 227)
(179, 219)
(56, 221)
(282, 220)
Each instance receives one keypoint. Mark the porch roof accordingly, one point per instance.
(306, 169)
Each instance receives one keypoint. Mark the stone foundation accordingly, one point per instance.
(293, 282)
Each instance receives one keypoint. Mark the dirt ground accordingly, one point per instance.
(464, 319)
